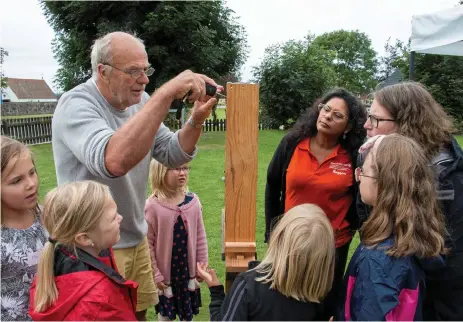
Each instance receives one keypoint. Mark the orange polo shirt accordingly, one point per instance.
(326, 185)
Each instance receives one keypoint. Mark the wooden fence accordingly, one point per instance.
(37, 130)
(208, 125)
(31, 130)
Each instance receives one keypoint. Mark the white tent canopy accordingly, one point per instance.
(439, 33)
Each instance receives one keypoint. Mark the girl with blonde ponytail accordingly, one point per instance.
(77, 278)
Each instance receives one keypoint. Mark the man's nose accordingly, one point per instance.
(143, 79)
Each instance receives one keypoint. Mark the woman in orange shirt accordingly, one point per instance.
(314, 163)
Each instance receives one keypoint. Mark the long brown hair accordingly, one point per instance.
(417, 115)
(10, 149)
(406, 205)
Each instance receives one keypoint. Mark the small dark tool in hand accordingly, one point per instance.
(178, 104)
(211, 90)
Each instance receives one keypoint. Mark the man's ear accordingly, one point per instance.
(103, 71)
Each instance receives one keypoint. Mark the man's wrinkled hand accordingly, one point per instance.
(202, 110)
(190, 84)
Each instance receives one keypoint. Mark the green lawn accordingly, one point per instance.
(206, 181)
(220, 114)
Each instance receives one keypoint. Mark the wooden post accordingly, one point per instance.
(241, 149)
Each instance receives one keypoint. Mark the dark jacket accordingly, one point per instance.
(275, 189)
(444, 297)
(249, 300)
(379, 287)
(89, 288)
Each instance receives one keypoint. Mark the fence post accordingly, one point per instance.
(241, 166)
(5, 129)
(29, 130)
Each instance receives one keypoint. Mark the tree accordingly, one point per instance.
(388, 63)
(291, 77)
(223, 80)
(201, 36)
(228, 78)
(354, 59)
(443, 77)
(402, 60)
(441, 74)
(3, 79)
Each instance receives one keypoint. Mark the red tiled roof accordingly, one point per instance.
(30, 88)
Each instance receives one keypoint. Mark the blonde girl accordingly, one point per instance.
(22, 235)
(177, 241)
(292, 280)
(77, 279)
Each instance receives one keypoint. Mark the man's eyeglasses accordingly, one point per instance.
(179, 170)
(135, 73)
(359, 173)
(375, 120)
(337, 116)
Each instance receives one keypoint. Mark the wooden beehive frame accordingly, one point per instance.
(241, 154)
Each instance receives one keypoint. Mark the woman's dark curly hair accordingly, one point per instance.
(306, 125)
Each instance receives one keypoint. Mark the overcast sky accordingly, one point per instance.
(26, 35)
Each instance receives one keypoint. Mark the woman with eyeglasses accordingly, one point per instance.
(314, 163)
(410, 110)
(401, 240)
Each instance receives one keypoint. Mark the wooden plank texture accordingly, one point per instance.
(241, 162)
(240, 247)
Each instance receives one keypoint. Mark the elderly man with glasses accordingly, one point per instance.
(108, 129)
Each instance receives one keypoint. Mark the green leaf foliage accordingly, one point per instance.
(199, 35)
(292, 76)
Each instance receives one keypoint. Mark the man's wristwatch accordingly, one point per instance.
(194, 124)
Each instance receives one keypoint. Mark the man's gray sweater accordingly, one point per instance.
(82, 126)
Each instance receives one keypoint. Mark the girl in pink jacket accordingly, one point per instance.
(177, 241)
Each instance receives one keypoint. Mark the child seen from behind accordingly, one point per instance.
(292, 280)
